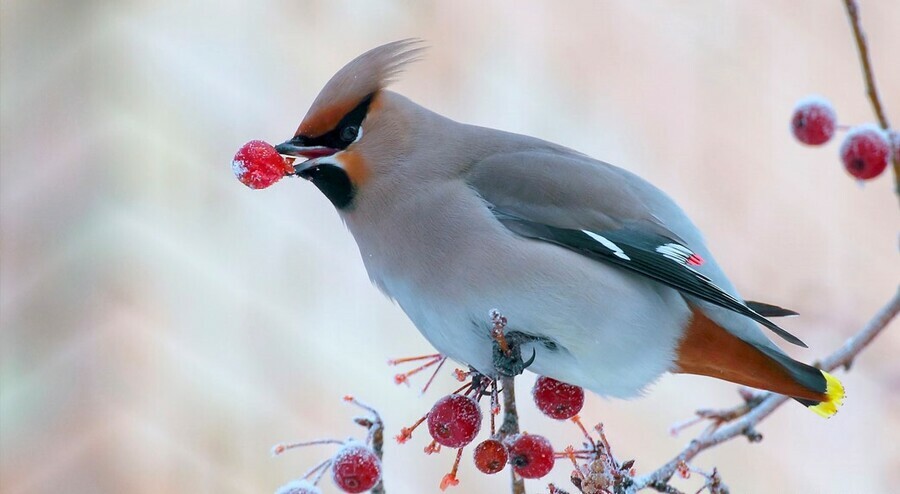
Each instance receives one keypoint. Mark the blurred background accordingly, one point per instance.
(163, 326)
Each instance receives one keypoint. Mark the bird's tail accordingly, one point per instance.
(710, 350)
(828, 390)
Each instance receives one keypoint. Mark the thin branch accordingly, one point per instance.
(510, 425)
(842, 357)
(869, 76)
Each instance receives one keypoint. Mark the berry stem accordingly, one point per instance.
(402, 378)
(321, 467)
(398, 361)
(869, 76)
(281, 448)
(434, 374)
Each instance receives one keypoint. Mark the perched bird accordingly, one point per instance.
(604, 280)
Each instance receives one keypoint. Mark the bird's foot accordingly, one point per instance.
(511, 363)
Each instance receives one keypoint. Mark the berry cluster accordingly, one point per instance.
(355, 467)
(865, 150)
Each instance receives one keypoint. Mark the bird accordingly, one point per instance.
(604, 280)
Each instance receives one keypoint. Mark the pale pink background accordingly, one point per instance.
(163, 326)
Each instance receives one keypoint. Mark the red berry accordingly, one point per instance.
(865, 152)
(814, 121)
(258, 165)
(557, 399)
(491, 456)
(301, 486)
(531, 455)
(355, 468)
(454, 421)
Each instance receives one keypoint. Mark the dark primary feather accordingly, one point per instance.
(769, 310)
(642, 257)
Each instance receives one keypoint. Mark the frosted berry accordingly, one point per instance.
(258, 165)
(355, 468)
(557, 399)
(454, 421)
(865, 152)
(490, 456)
(814, 121)
(531, 455)
(302, 486)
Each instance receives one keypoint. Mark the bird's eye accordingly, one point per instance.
(348, 134)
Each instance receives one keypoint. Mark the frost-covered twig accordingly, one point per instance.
(842, 357)
(510, 425)
(869, 76)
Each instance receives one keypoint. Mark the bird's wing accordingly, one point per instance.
(609, 215)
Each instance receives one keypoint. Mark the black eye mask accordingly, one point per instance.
(341, 135)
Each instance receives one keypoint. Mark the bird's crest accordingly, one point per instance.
(363, 76)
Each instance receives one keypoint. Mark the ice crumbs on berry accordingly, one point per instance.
(530, 455)
(557, 399)
(865, 152)
(813, 121)
(490, 456)
(258, 165)
(355, 468)
(454, 421)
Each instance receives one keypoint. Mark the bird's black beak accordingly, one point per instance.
(296, 147)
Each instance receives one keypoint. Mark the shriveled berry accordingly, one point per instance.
(454, 421)
(530, 455)
(490, 456)
(301, 486)
(813, 121)
(557, 399)
(258, 165)
(355, 468)
(865, 152)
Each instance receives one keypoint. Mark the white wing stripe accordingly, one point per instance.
(616, 250)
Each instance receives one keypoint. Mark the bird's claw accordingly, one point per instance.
(511, 365)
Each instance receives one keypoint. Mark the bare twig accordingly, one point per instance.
(842, 357)
(869, 76)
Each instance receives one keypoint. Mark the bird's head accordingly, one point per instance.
(350, 132)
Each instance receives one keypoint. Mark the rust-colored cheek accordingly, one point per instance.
(355, 166)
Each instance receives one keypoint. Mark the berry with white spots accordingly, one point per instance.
(865, 152)
(490, 456)
(530, 455)
(814, 121)
(258, 165)
(355, 468)
(301, 486)
(557, 399)
(454, 421)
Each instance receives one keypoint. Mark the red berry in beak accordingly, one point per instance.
(258, 165)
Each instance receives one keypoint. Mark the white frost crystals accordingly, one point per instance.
(239, 168)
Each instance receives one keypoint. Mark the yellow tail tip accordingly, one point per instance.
(834, 393)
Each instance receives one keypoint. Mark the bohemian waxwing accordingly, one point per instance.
(604, 280)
